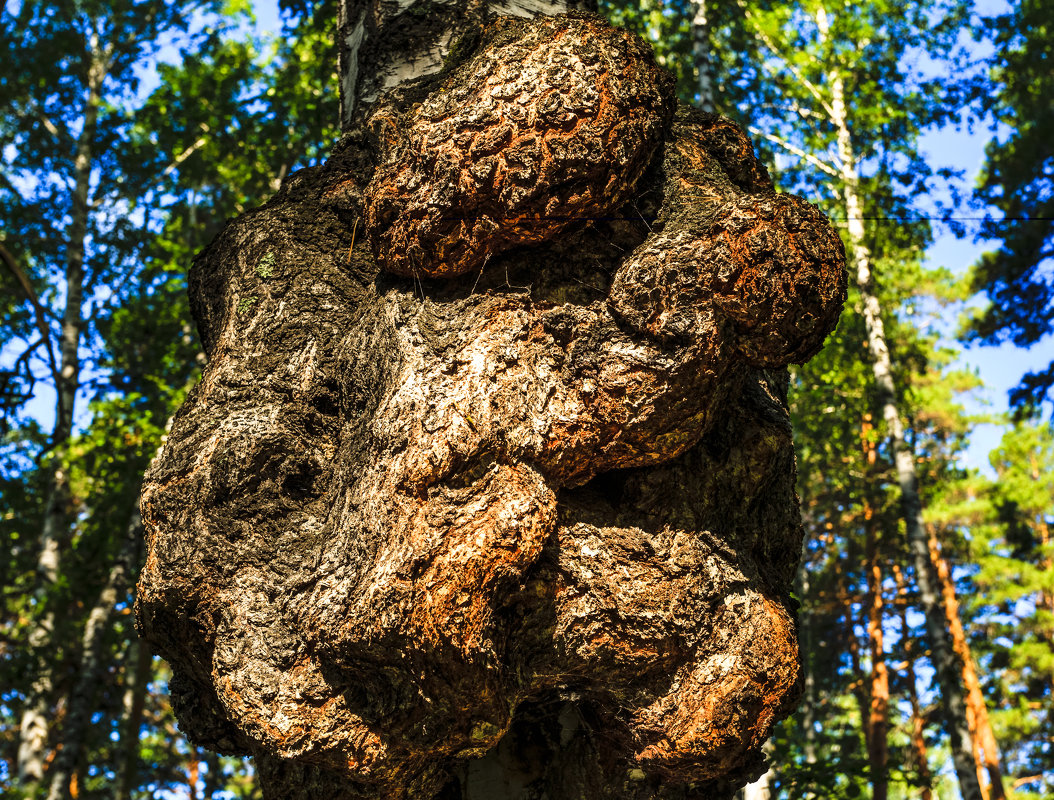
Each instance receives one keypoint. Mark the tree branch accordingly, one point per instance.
(38, 310)
(186, 153)
(809, 85)
(790, 148)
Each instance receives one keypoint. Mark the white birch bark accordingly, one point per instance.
(943, 656)
(383, 46)
(33, 728)
(702, 56)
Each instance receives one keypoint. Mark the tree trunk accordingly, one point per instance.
(918, 740)
(948, 673)
(137, 677)
(702, 57)
(761, 789)
(93, 662)
(878, 712)
(34, 727)
(488, 487)
(193, 773)
(807, 638)
(977, 708)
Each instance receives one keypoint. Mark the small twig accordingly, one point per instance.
(822, 165)
(186, 153)
(482, 267)
(642, 219)
(809, 85)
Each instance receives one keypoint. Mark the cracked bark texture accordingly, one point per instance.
(487, 489)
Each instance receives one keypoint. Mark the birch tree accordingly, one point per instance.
(91, 165)
(861, 150)
(60, 123)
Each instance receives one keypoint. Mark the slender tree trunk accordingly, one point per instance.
(212, 774)
(948, 672)
(878, 724)
(137, 674)
(702, 56)
(34, 727)
(860, 685)
(878, 687)
(807, 710)
(976, 706)
(193, 772)
(918, 740)
(93, 662)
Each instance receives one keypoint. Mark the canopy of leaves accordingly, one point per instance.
(1018, 183)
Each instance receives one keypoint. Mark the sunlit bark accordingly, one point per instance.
(977, 708)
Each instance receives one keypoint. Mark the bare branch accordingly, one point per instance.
(186, 153)
(764, 37)
(10, 186)
(790, 148)
(49, 126)
(41, 315)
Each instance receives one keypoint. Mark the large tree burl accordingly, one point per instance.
(492, 449)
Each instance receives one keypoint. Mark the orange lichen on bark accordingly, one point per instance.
(733, 249)
(534, 134)
(724, 706)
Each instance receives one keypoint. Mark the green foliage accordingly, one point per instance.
(1014, 597)
(1018, 183)
(171, 159)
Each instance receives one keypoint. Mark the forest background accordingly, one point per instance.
(131, 130)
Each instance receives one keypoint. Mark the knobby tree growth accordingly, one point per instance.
(491, 454)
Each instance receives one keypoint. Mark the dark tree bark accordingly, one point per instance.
(487, 489)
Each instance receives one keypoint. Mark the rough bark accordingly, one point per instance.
(487, 489)
(761, 789)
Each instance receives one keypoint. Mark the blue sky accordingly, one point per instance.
(1000, 368)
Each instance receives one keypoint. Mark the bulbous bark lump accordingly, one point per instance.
(533, 134)
(401, 517)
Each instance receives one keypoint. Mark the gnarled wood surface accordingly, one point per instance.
(487, 489)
